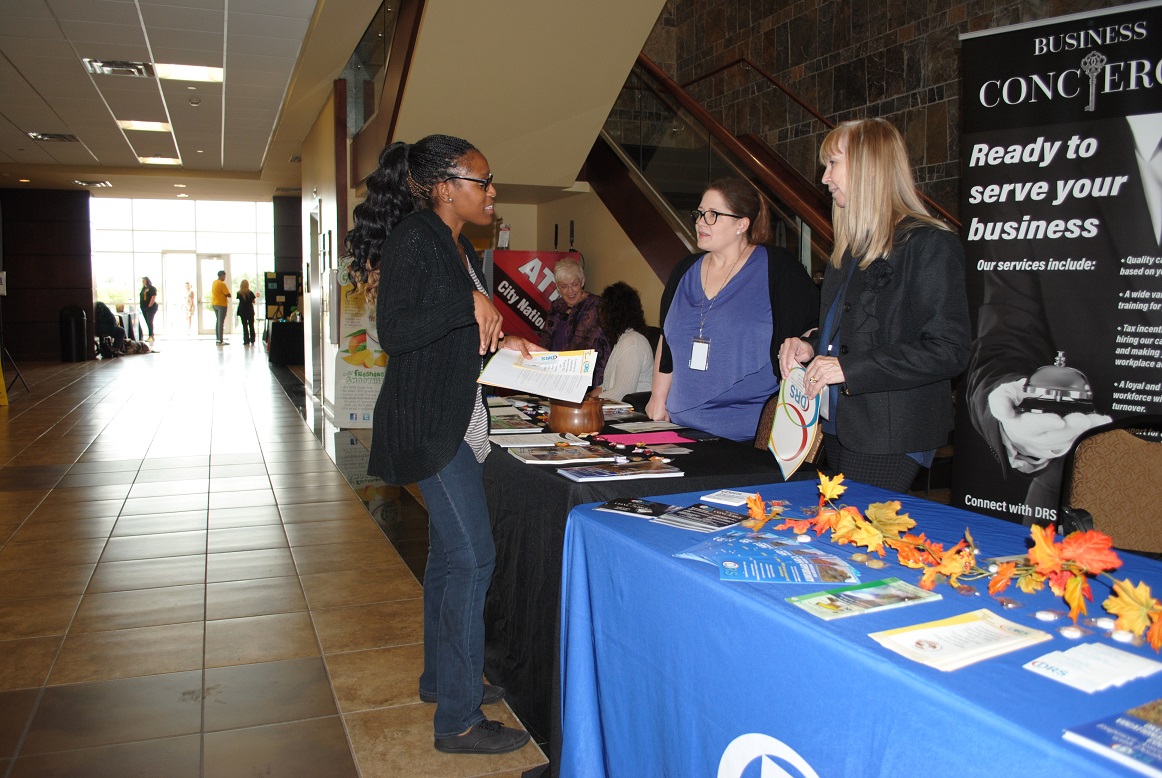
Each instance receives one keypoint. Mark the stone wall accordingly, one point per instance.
(848, 59)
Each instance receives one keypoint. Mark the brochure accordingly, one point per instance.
(959, 641)
(1132, 739)
(528, 440)
(728, 497)
(765, 557)
(635, 506)
(1092, 667)
(648, 469)
(561, 455)
(700, 518)
(562, 375)
(863, 598)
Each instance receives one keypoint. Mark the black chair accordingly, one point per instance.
(1111, 482)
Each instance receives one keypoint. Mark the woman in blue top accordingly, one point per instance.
(724, 312)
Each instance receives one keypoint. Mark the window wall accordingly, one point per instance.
(180, 245)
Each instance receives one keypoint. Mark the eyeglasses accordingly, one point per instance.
(483, 183)
(710, 217)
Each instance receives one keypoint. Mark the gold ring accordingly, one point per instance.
(813, 380)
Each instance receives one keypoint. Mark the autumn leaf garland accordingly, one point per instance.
(1065, 565)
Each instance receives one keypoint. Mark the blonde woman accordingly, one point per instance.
(245, 311)
(893, 320)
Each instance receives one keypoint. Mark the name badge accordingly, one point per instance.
(700, 354)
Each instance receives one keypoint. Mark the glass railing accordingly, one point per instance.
(679, 156)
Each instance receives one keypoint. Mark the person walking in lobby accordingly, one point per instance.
(219, 299)
(894, 327)
(246, 300)
(148, 300)
(436, 323)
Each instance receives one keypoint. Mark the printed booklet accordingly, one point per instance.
(763, 557)
(648, 469)
(1132, 739)
(561, 455)
(700, 518)
(864, 598)
(635, 506)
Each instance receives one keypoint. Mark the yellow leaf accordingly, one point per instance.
(1134, 606)
(887, 518)
(1031, 582)
(831, 488)
(868, 536)
(1076, 593)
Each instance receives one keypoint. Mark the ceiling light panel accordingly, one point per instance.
(133, 124)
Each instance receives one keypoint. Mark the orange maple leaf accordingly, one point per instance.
(1030, 582)
(1045, 554)
(929, 579)
(831, 488)
(798, 526)
(1076, 593)
(1134, 606)
(1154, 634)
(1001, 578)
(1092, 550)
(910, 551)
(755, 506)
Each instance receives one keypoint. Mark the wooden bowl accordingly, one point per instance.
(577, 418)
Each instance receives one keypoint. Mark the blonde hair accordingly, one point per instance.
(244, 286)
(880, 189)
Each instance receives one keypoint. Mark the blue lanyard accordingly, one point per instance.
(830, 332)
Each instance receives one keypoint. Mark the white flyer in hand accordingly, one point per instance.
(562, 375)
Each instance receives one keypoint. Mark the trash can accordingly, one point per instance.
(73, 332)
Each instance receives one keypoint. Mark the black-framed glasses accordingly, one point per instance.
(483, 183)
(710, 216)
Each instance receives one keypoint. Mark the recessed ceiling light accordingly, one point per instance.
(25, 180)
(182, 194)
(159, 161)
(130, 124)
(200, 151)
(195, 101)
(180, 186)
(188, 73)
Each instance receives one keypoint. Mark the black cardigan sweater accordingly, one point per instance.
(794, 300)
(425, 317)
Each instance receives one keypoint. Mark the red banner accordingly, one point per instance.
(523, 288)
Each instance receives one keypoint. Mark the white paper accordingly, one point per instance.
(541, 375)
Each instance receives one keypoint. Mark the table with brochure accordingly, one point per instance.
(667, 667)
(529, 505)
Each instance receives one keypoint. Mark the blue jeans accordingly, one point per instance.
(461, 557)
(219, 320)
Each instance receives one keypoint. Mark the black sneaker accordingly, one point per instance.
(487, 737)
(492, 695)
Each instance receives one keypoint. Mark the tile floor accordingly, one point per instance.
(189, 586)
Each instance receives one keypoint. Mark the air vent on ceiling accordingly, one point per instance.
(118, 67)
(288, 190)
(93, 184)
(54, 137)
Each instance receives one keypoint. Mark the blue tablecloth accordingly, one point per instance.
(663, 666)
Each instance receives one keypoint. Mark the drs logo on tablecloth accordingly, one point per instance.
(761, 756)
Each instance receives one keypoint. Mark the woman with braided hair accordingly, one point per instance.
(436, 323)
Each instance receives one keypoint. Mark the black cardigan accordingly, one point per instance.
(794, 300)
(427, 325)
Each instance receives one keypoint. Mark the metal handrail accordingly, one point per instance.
(747, 63)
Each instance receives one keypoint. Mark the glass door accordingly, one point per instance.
(208, 267)
(179, 293)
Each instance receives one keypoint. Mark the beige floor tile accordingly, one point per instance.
(259, 639)
(332, 557)
(378, 678)
(248, 499)
(314, 533)
(362, 627)
(180, 502)
(240, 565)
(55, 554)
(166, 488)
(37, 618)
(89, 493)
(75, 529)
(227, 518)
(149, 573)
(44, 582)
(360, 587)
(155, 523)
(167, 475)
(247, 538)
(128, 653)
(26, 663)
(322, 511)
(103, 611)
(165, 544)
(60, 510)
(397, 743)
(254, 597)
(240, 483)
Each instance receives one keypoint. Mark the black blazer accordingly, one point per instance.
(904, 334)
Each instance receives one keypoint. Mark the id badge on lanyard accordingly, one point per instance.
(700, 354)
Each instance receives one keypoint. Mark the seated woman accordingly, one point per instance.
(631, 363)
(724, 314)
(573, 322)
(105, 324)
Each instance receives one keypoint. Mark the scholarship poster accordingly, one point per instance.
(359, 363)
(1061, 197)
(523, 288)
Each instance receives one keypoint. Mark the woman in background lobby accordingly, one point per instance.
(436, 323)
(630, 367)
(725, 310)
(190, 306)
(148, 299)
(246, 300)
(894, 327)
(573, 322)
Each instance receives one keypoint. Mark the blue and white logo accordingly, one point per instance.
(755, 755)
